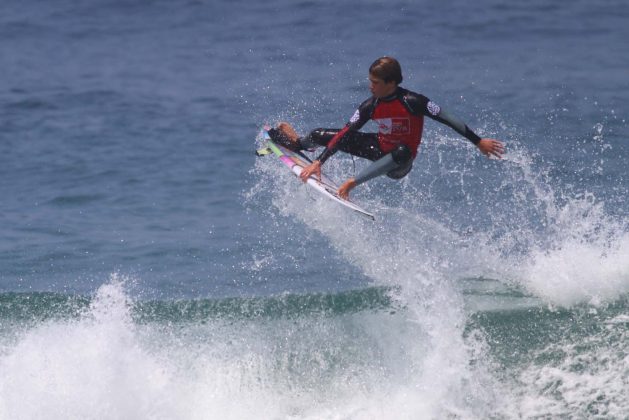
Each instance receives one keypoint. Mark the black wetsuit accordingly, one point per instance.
(400, 119)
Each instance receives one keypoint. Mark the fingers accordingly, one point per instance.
(497, 149)
(493, 147)
(307, 173)
(343, 192)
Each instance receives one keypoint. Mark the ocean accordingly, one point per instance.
(152, 267)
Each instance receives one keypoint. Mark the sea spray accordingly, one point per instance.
(116, 360)
(538, 237)
(92, 367)
(571, 249)
(402, 249)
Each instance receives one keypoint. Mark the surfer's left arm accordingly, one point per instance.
(487, 146)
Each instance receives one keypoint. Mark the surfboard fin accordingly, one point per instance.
(263, 151)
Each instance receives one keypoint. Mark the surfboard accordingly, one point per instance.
(296, 162)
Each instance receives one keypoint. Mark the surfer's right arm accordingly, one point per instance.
(488, 147)
(358, 120)
(315, 166)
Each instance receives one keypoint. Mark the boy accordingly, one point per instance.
(399, 114)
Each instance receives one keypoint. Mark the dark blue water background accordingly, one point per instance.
(126, 127)
(127, 131)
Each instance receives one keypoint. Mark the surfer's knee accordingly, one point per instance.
(403, 157)
(402, 154)
(318, 136)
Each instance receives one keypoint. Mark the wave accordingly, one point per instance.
(43, 306)
(109, 358)
(560, 362)
(355, 354)
(443, 233)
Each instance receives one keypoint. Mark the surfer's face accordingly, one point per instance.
(379, 88)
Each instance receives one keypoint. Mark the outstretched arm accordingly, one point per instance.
(421, 105)
(488, 147)
(491, 147)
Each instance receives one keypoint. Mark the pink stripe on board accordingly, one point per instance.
(287, 160)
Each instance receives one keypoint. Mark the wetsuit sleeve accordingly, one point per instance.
(358, 120)
(421, 105)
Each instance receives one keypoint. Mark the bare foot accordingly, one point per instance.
(288, 130)
(347, 186)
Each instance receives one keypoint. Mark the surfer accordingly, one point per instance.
(399, 114)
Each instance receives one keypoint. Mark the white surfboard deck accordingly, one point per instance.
(297, 162)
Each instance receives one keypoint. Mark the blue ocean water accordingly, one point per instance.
(152, 267)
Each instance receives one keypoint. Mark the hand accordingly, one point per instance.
(491, 147)
(313, 168)
(346, 188)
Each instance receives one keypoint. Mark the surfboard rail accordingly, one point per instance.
(296, 162)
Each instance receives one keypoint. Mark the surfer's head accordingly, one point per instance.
(385, 74)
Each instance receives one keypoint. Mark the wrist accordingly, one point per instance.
(473, 137)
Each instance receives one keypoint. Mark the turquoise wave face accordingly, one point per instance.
(487, 289)
(303, 356)
(39, 306)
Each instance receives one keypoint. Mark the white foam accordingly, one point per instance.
(564, 248)
(405, 249)
(588, 381)
(580, 272)
(102, 365)
(89, 368)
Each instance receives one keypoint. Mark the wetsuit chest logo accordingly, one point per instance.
(394, 126)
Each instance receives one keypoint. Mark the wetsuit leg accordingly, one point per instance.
(364, 145)
(396, 165)
(318, 137)
(404, 158)
(280, 138)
